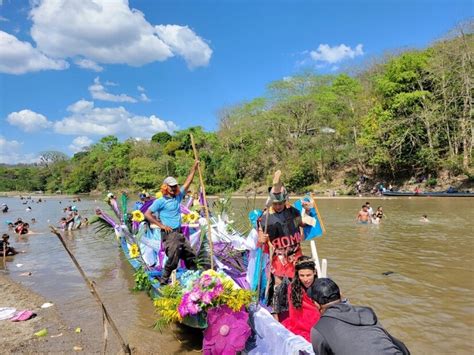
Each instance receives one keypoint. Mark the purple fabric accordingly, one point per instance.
(183, 209)
(147, 205)
(107, 218)
(113, 203)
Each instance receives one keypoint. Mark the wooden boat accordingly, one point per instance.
(429, 194)
(272, 337)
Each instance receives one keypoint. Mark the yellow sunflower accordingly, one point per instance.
(137, 216)
(133, 251)
(193, 217)
(184, 218)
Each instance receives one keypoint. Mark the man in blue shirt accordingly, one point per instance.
(167, 207)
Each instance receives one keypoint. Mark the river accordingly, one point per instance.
(417, 276)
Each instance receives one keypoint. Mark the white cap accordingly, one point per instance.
(170, 181)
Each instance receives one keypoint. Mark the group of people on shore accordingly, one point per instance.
(307, 305)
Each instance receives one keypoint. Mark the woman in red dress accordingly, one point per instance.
(303, 313)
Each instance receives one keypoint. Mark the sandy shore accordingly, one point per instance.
(19, 338)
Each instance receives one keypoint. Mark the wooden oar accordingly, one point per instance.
(94, 293)
(4, 255)
(206, 209)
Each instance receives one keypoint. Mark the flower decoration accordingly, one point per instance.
(189, 218)
(205, 289)
(227, 331)
(137, 216)
(193, 217)
(134, 251)
(184, 218)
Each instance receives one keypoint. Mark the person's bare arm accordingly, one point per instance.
(152, 219)
(190, 177)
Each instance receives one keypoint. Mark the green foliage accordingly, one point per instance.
(409, 115)
(431, 182)
(142, 281)
(167, 305)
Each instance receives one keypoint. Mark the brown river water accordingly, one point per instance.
(426, 300)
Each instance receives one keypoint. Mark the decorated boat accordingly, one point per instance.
(222, 301)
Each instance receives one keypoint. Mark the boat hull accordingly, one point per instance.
(429, 194)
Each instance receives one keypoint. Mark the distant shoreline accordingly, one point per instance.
(237, 196)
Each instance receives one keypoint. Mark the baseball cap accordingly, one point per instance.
(323, 291)
(170, 181)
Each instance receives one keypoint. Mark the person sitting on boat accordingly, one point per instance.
(347, 329)
(363, 216)
(5, 247)
(283, 235)
(303, 313)
(167, 207)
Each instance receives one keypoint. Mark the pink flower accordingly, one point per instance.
(227, 331)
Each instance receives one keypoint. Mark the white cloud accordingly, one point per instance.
(88, 64)
(99, 92)
(184, 42)
(81, 106)
(110, 120)
(140, 88)
(10, 153)
(104, 31)
(18, 57)
(144, 98)
(335, 54)
(80, 143)
(28, 120)
(110, 83)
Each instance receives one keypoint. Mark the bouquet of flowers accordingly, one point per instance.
(199, 291)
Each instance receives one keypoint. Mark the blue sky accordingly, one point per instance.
(72, 71)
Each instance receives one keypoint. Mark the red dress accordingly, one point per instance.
(301, 320)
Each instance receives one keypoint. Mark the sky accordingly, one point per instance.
(73, 71)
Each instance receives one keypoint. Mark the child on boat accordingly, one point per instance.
(303, 313)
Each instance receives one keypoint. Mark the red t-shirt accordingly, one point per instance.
(284, 234)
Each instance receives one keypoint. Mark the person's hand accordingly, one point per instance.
(196, 163)
(167, 229)
(262, 237)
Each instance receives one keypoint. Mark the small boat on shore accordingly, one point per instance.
(429, 194)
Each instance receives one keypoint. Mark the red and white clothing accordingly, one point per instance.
(301, 320)
(284, 234)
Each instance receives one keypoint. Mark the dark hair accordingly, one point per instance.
(303, 263)
(324, 291)
(5, 236)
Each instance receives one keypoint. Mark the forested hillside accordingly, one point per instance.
(405, 116)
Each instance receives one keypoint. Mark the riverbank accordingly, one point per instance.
(18, 337)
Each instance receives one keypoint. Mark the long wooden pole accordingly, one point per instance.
(206, 209)
(4, 256)
(262, 264)
(94, 292)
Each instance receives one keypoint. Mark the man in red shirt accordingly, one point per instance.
(280, 236)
